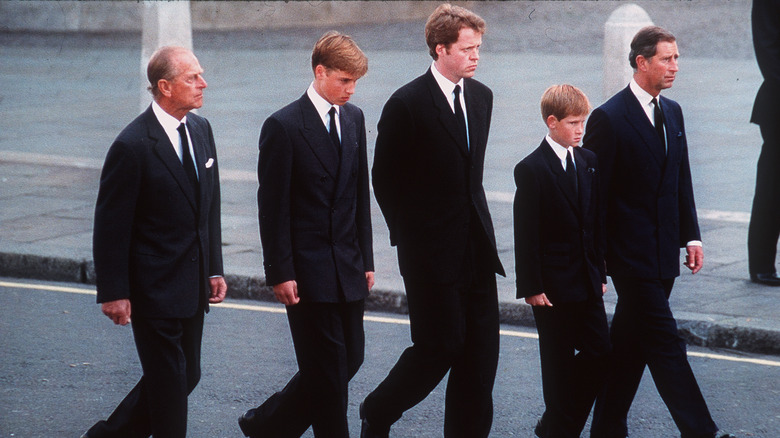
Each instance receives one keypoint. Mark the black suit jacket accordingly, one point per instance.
(315, 213)
(426, 181)
(558, 249)
(766, 41)
(648, 197)
(153, 241)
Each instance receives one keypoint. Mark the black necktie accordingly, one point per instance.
(571, 172)
(658, 117)
(334, 133)
(459, 114)
(186, 158)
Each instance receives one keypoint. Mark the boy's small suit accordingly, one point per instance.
(559, 252)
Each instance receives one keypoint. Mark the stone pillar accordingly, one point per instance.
(619, 30)
(164, 24)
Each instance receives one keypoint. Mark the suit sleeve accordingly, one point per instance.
(526, 210)
(393, 136)
(215, 215)
(274, 173)
(766, 38)
(363, 213)
(689, 222)
(120, 183)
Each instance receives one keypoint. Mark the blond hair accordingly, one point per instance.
(336, 51)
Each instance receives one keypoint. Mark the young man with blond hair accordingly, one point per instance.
(315, 226)
(559, 262)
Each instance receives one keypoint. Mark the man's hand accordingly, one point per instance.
(118, 311)
(603, 288)
(538, 300)
(287, 293)
(218, 289)
(695, 258)
(370, 279)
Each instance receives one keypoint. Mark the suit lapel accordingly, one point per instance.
(316, 135)
(446, 115)
(637, 118)
(554, 163)
(584, 180)
(199, 142)
(349, 147)
(165, 152)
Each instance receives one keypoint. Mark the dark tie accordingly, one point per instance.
(459, 115)
(334, 133)
(658, 117)
(186, 158)
(571, 172)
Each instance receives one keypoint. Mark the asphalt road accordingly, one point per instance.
(63, 365)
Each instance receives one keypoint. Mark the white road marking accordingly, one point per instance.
(371, 318)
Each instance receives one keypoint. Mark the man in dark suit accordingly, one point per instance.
(640, 142)
(427, 178)
(315, 226)
(764, 226)
(158, 245)
(559, 261)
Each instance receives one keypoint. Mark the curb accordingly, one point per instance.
(697, 332)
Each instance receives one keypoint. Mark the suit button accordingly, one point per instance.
(194, 259)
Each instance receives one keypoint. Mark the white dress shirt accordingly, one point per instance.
(561, 152)
(171, 127)
(323, 109)
(448, 88)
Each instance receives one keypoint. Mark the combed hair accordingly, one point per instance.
(646, 41)
(444, 25)
(563, 101)
(161, 66)
(336, 51)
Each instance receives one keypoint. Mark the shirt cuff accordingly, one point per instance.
(694, 243)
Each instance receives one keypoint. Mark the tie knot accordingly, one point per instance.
(655, 102)
(332, 111)
(457, 91)
(182, 129)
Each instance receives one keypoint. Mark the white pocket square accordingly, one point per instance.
(209, 163)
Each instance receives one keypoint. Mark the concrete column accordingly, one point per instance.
(164, 24)
(619, 30)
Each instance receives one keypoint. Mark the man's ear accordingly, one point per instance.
(164, 86)
(641, 63)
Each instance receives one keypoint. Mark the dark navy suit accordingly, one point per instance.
(156, 243)
(650, 214)
(315, 227)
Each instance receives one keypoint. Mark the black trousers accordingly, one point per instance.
(764, 226)
(329, 346)
(644, 333)
(169, 350)
(574, 350)
(454, 327)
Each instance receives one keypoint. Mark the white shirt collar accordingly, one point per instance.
(170, 125)
(321, 105)
(559, 150)
(447, 86)
(645, 99)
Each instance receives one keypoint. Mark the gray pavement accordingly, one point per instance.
(63, 98)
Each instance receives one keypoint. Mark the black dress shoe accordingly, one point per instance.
(770, 279)
(720, 434)
(369, 431)
(245, 423)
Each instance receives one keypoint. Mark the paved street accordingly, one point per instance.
(65, 365)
